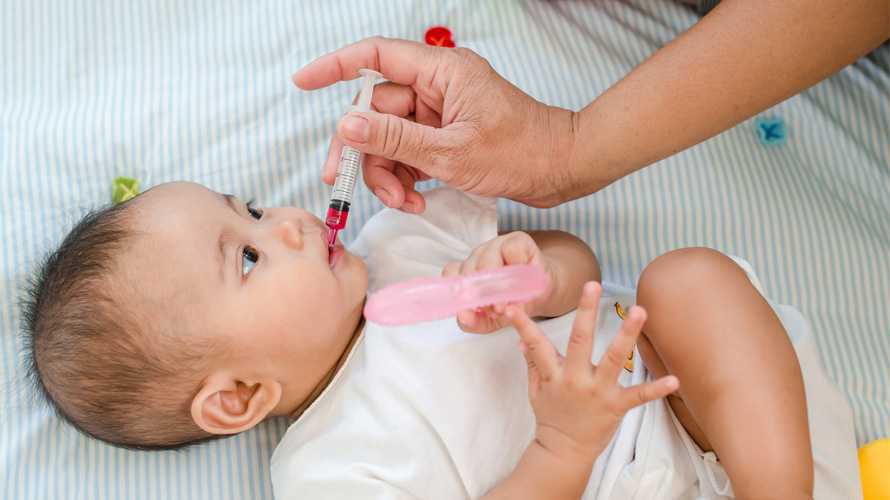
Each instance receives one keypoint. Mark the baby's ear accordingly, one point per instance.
(225, 405)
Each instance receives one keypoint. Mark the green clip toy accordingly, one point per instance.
(124, 188)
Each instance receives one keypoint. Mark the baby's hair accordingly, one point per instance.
(102, 363)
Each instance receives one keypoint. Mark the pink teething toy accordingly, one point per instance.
(427, 299)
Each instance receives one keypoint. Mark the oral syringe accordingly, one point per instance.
(349, 166)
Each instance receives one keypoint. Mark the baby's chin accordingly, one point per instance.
(351, 271)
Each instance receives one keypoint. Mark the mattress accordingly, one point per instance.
(200, 90)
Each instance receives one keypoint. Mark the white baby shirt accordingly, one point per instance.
(427, 411)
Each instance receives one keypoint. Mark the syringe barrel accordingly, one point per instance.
(347, 173)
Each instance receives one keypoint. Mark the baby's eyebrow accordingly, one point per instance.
(230, 201)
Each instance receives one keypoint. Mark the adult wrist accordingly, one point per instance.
(561, 178)
(591, 156)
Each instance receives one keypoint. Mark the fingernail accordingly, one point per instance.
(384, 196)
(356, 128)
(409, 206)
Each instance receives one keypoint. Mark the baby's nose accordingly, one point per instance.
(291, 233)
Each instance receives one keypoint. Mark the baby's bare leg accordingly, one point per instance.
(741, 391)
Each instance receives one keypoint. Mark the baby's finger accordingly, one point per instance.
(466, 319)
(534, 379)
(469, 264)
(613, 360)
(476, 321)
(650, 391)
(580, 348)
(518, 251)
(490, 259)
(451, 269)
(539, 349)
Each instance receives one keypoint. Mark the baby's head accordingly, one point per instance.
(184, 314)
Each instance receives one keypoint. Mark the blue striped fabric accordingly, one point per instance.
(200, 90)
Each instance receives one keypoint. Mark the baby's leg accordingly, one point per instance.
(741, 391)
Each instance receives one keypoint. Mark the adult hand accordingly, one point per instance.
(445, 113)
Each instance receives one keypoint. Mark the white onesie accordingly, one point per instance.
(427, 411)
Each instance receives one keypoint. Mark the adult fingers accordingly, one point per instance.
(413, 201)
(329, 171)
(382, 181)
(613, 360)
(393, 99)
(399, 61)
(380, 173)
(431, 149)
(580, 347)
(539, 349)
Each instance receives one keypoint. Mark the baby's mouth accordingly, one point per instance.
(334, 246)
(335, 253)
(330, 240)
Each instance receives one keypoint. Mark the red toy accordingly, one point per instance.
(440, 36)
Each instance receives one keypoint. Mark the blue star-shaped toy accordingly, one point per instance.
(771, 131)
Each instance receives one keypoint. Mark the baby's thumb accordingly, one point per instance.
(394, 138)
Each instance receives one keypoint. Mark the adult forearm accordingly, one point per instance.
(743, 57)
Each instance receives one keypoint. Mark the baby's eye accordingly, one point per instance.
(256, 213)
(249, 258)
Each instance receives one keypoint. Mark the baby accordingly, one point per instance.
(184, 315)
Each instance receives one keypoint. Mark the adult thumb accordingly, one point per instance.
(398, 139)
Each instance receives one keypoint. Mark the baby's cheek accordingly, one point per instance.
(309, 296)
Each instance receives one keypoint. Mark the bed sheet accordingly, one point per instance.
(200, 90)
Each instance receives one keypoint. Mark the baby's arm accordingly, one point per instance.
(572, 263)
(568, 260)
(577, 406)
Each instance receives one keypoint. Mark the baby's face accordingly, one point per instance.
(258, 279)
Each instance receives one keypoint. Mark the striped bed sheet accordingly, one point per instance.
(200, 90)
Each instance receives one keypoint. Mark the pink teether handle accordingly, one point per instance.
(427, 299)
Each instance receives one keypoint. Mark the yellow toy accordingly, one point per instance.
(874, 469)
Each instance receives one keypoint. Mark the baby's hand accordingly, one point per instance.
(508, 249)
(578, 406)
